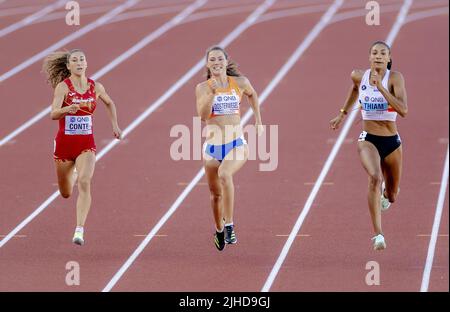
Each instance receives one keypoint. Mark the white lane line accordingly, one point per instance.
(230, 3)
(292, 12)
(151, 37)
(31, 18)
(122, 17)
(69, 38)
(225, 42)
(219, 12)
(114, 63)
(430, 3)
(295, 230)
(434, 232)
(281, 73)
(29, 218)
(428, 13)
(286, 5)
(146, 13)
(228, 11)
(18, 11)
(173, 22)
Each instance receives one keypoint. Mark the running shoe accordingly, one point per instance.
(219, 240)
(78, 238)
(230, 237)
(378, 242)
(385, 203)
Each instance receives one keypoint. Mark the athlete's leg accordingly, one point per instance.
(370, 160)
(66, 176)
(392, 171)
(232, 162)
(85, 164)
(211, 167)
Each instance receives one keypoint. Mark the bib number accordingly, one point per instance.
(362, 136)
(78, 125)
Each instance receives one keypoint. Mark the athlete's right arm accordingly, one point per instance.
(58, 111)
(205, 97)
(351, 99)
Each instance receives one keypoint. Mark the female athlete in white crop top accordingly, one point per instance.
(382, 95)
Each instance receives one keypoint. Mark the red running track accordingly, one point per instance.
(137, 182)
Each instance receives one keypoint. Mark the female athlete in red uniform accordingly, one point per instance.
(74, 103)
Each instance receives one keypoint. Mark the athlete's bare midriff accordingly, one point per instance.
(380, 127)
(223, 129)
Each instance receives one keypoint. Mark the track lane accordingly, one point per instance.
(193, 258)
(102, 187)
(11, 15)
(43, 146)
(334, 257)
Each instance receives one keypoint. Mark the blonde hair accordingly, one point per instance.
(55, 66)
(232, 68)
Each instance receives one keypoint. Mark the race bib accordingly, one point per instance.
(78, 125)
(362, 136)
(226, 104)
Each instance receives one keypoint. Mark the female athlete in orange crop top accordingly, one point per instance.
(225, 149)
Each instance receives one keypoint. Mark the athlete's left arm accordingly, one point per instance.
(396, 99)
(110, 107)
(250, 92)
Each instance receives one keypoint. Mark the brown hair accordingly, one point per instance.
(389, 64)
(232, 68)
(55, 66)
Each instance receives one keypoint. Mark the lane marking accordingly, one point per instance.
(113, 64)
(31, 18)
(67, 39)
(292, 12)
(16, 236)
(18, 11)
(133, 125)
(274, 82)
(146, 13)
(298, 235)
(434, 231)
(277, 266)
(187, 183)
(425, 14)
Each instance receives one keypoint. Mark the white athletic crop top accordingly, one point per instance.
(373, 104)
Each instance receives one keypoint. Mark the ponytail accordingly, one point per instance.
(389, 65)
